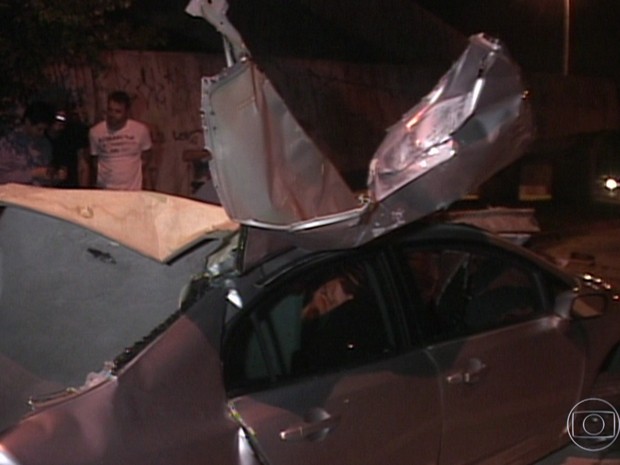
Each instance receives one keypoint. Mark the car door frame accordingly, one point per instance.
(394, 431)
(530, 447)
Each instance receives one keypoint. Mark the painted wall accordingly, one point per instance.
(363, 101)
(344, 107)
(165, 87)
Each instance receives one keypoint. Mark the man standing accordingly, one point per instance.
(120, 147)
(69, 138)
(25, 153)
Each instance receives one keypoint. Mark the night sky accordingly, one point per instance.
(531, 29)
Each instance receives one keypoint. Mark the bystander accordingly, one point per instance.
(69, 138)
(120, 147)
(25, 153)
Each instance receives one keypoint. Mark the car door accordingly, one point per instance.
(315, 371)
(510, 369)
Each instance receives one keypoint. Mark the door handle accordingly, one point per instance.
(469, 376)
(317, 425)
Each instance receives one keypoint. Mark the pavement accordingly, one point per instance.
(581, 243)
(573, 455)
(596, 252)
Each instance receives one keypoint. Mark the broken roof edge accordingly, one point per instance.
(156, 225)
(214, 11)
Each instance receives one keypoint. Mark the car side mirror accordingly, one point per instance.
(568, 305)
(588, 306)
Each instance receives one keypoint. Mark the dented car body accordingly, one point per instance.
(386, 352)
(300, 323)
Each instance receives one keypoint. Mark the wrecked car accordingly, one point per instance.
(436, 343)
(299, 323)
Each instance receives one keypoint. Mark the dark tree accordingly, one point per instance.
(37, 33)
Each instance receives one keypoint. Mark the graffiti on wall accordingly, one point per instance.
(165, 92)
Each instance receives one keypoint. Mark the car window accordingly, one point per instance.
(322, 320)
(465, 292)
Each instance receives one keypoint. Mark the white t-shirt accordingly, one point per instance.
(119, 154)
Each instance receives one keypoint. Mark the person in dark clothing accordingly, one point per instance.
(25, 153)
(69, 139)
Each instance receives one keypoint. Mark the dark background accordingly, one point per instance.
(532, 29)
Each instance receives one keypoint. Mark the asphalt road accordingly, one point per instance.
(573, 455)
(593, 248)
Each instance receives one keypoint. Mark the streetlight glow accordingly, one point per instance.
(611, 184)
(565, 65)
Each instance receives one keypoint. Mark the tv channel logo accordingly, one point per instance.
(593, 424)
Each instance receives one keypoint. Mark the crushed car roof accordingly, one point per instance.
(270, 175)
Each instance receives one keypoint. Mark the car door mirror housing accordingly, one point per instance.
(588, 306)
(568, 305)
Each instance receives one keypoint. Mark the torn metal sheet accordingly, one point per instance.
(475, 122)
(270, 175)
(478, 105)
(214, 11)
(267, 171)
(156, 225)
